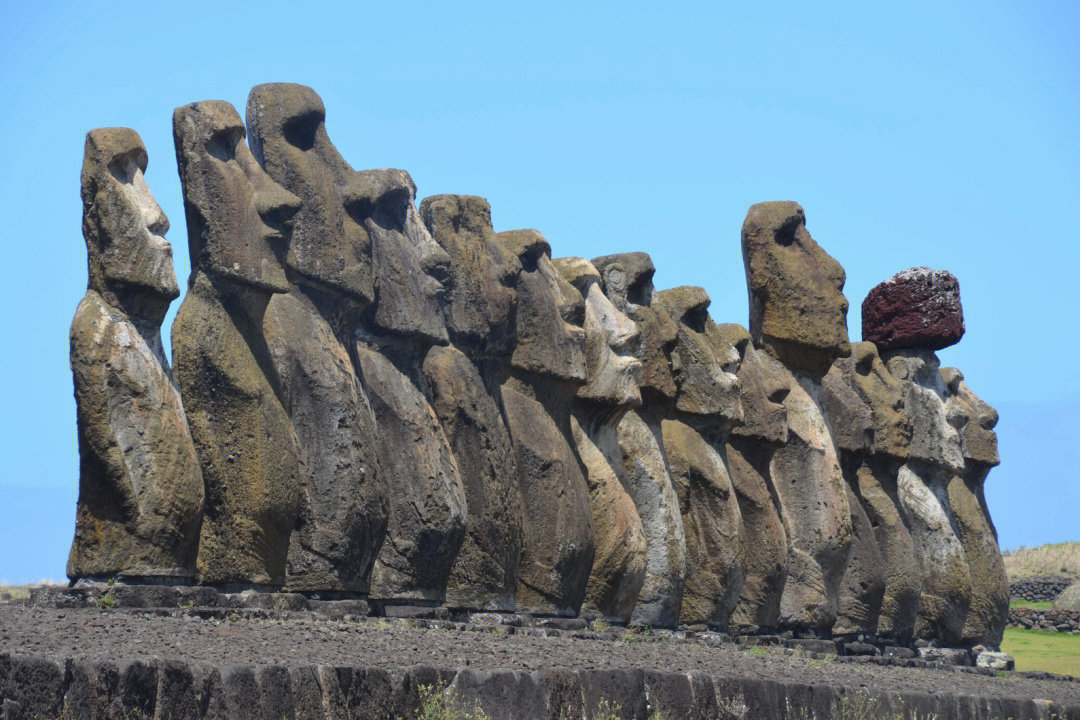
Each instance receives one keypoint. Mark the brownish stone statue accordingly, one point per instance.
(618, 570)
(140, 486)
(537, 387)
(309, 332)
(238, 222)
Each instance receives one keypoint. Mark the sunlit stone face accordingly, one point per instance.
(238, 217)
(933, 438)
(123, 224)
(287, 126)
(973, 418)
(610, 340)
(550, 312)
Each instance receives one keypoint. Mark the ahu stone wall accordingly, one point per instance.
(389, 400)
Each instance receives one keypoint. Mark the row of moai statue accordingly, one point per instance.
(370, 398)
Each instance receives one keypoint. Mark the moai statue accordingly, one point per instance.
(897, 320)
(424, 485)
(870, 466)
(238, 221)
(480, 304)
(798, 316)
(613, 388)
(706, 406)
(627, 282)
(537, 387)
(748, 450)
(309, 331)
(975, 420)
(140, 486)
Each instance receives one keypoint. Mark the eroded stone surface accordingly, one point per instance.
(918, 307)
(140, 485)
(238, 219)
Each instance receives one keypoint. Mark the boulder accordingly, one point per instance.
(140, 486)
(1069, 599)
(798, 312)
(915, 308)
(237, 218)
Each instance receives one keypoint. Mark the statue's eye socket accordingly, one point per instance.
(300, 132)
(695, 318)
(124, 167)
(222, 144)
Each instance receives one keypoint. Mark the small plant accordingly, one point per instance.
(599, 626)
(437, 702)
(733, 708)
(107, 601)
(607, 710)
(759, 650)
(822, 661)
(280, 604)
(636, 634)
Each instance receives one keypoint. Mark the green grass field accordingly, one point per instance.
(1045, 651)
(1041, 605)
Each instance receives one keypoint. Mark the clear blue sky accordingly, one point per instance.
(918, 133)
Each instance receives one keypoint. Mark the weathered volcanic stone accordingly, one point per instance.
(618, 570)
(919, 307)
(140, 485)
(246, 444)
(343, 515)
(627, 281)
(798, 311)
(708, 403)
(480, 299)
(537, 389)
(748, 451)
(480, 308)
(484, 574)
(975, 420)
(715, 549)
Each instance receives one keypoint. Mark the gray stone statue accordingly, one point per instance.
(537, 388)
(618, 570)
(706, 406)
(798, 317)
(480, 307)
(309, 332)
(140, 486)
(427, 498)
(627, 282)
(238, 221)
(748, 451)
(875, 401)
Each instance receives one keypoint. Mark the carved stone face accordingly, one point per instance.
(238, 218)
(288, 137)
(933, 439)
(973, 418)
(481, 298)
(610, 340)
(798, 311)
(763, 385)
(123, 225)
(550, 339)
(703, 367)
(885, 395)
(627, 282)
(408, 265)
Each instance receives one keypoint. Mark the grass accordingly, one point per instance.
(1044, 651)
(1041, 605)
(1054, 559)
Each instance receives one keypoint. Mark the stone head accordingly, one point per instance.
(884, 395)
(628, 282)
(481, 295)
(128, 258)
(933, 439)
(287, 134)
(798, 311)
(763, 385)
(850, 417)
(238, 218)
(408, 266)
(702, 364)
(973, 418)
(610, 340)
(550, 340)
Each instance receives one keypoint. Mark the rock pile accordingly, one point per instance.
(393, 403)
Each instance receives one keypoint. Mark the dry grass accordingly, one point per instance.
(1055, 559)
(8, 593)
